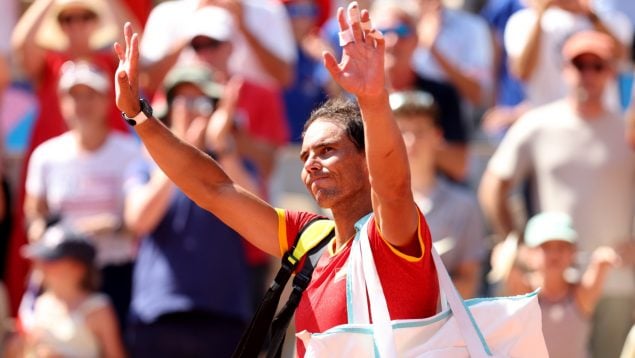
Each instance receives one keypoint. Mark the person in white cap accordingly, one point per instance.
(77, 178)
(567, 307)
(575, 155)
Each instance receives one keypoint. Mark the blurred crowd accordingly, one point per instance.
(516, 115)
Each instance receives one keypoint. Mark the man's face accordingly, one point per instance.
(83, 106)
(189, 102)
(213, 52)
(400, 35)
(588, 75)
(334, 169)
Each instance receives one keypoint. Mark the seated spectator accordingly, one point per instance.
(567, 307)
(191, 290)
(456, 47)
(262, 37)
(398, 25)
(77, 178)
(451, 211)
(69, 319)
(52, 32)
(534, 38)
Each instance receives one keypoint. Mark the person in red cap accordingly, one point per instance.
(574, 153)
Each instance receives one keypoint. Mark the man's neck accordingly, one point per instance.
(423, 181)
(590, 109)
(91, 140)
(346, 216)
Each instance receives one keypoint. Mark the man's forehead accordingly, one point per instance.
(320, 132)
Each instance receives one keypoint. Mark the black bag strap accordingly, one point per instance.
(300, 283)
(253, 339)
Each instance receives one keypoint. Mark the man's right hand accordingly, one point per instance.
(127, 75)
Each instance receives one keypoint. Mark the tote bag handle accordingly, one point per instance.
(383, 334)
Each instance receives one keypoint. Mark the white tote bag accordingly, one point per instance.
(482, 327)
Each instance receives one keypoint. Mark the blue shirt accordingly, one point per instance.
(497, 13)
(306, 93)
(191, 261)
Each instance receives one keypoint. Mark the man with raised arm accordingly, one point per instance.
(355, 164)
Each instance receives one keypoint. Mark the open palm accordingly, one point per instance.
(361, 69)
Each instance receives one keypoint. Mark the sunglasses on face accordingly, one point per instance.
(401, 30)
(592, 66)
(77, 18)
(302, 10)
(205, 44)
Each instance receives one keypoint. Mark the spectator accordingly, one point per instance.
(311, 81)
(398, 25)
(264, 51)
(50, 33)
(534, 37)
(455, 47)
(567, 307)
(69, 318)
(174, 312)
(77, 177)
(574, 152)
(451, 211)
(258, 119)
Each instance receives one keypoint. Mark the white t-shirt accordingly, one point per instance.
(466, 42)
(583, 168)
(77, 185)
(266, 20)
(546, 83)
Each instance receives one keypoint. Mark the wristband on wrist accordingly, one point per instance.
(145, 112)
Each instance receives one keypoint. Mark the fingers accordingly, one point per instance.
(331, 64)
(127, 34)
(119, 52)
(134, 62)
(341, 20)
(354, 18)
(365, 23)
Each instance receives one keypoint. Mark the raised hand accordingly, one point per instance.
(361, 69)
(127, 75)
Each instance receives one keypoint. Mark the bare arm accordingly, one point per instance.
(27, 52)
(145, 206)
(35, 212)
(493, 193)
(194, 172)
(361, 72)
(104, 324)
(590, 289)
(153, 74)
(276, 67)
(523, 66)
(630, 123)
(467, 86)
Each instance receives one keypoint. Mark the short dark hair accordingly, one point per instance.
(342, 112)
(415, 104)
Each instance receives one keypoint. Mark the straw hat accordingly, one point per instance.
(51, 36)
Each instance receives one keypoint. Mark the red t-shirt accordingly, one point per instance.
(261, 112)
(409, 283)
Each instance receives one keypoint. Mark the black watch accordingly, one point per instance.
(145, 109)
